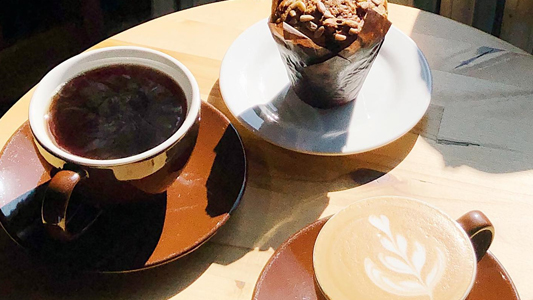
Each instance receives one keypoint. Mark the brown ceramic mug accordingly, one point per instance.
(399, 248)
(118, 180)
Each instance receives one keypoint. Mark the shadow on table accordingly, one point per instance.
(288, 190)
(121, 237)
(24, 278)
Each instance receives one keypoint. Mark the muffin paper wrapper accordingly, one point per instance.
(324, 78)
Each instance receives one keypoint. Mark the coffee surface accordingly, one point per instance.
(116, 111)
(393, 248)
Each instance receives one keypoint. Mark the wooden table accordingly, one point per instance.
(472, 150)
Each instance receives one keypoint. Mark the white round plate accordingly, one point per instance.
(257, 91)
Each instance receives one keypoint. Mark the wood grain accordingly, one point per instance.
(472, 150)
(517, 24)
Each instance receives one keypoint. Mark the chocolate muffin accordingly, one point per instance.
(328, 45)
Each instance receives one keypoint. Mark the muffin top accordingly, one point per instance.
(327, 22)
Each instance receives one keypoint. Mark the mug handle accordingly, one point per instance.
(479, 229)
(55, 205)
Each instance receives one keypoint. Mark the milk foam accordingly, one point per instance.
(393, 248)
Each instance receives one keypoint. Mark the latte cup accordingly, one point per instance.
(399, 248)
(117, 180)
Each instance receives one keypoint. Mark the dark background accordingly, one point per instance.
(36, 35)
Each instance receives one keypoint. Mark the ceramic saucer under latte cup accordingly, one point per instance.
(392, 247)
(257, 91)
(131, 236)
(289, 274)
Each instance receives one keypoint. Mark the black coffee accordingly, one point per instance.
(116, 111)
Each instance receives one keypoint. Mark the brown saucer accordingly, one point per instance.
(134, 236)
(289, 273)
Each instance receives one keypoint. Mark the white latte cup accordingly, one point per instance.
(396, 248)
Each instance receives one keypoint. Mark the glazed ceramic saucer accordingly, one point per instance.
(133, 236)
(257, 91)
(289, 273)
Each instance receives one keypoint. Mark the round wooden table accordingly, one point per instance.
(472, 150)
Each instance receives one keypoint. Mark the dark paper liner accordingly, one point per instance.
(330, 83)
(328, 77)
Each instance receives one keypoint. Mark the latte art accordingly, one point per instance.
(391, 248)
(395, 259)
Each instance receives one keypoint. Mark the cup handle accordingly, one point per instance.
(479, 229)
(55, 204)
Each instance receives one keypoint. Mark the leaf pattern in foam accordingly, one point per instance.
(430, 278)
(395, 264)
(380, 223)
(402, 243)
(398, 261)
(385, 283)
(419, 256)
